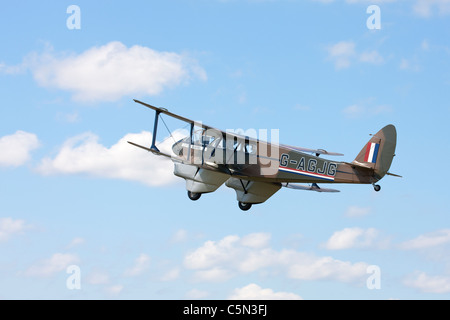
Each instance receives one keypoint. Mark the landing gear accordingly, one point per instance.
(244, 206)
(194, 196)
(376, 187)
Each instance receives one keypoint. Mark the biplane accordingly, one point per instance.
(256, 169)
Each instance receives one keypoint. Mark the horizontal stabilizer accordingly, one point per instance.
(313, 187)
(393, 174)
(154, 151)
(355, 163)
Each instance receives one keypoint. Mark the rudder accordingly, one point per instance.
(379, 152)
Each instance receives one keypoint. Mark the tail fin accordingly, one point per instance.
(378, 153)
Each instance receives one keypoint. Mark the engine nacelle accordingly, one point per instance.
(199, 180)
(252, 191)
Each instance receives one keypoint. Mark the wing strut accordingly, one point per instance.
(155, 129)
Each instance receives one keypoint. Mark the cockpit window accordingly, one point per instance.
(250, 148)
(198, 138)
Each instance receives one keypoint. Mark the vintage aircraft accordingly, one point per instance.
(256, 169)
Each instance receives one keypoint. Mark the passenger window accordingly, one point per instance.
(250, 148)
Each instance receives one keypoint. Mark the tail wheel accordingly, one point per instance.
(244, 206)
(376, 187)
(194, 196)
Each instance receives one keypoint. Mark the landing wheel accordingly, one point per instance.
(194, 196)
(376, 187)
(244, 206)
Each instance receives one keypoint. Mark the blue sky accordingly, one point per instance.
(74, 193)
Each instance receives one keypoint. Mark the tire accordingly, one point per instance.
(244, 206)
(194, 196)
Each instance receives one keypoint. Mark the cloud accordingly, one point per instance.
(355, 211)
(369, 1)
(365, 109)
(216, 274)
(141, 264)
(56, 263)
(10, 227)
(255, 292)
(11, 70)
(83, 154)
(75, 242)
(110, 71)
(114, 290)
(411, 64)
(428, 240)
(196, 294)
(97, 278)
(16, 148)
(344, 53)
(372, 57)
(171, 274)
(352, 238)
(179, 236)
(425, 8)
(427, 283)
(256, 240)
(232, 255)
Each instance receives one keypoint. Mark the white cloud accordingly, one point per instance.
(344, 53)
(352, 238)
(255, 292)
(12, 69)
(114, 290)
(10, 227)
(171, 275)
(371, 57)
(411, 64)
(369, 1)
(425, 45)
(212, 253)
(83, 154)
(358, 1)
(256, 240)
(427, 283)
(425, 8)
(232, 255)
(141, 264)
(428, 240)
(111, 71)
(215, 274)
(324, 1)
(179, 236)
(56, 263)
(309, 267)
(365, 109)
(196, 294)
(16, 148)
(355, 211)
(97, 278)
(75, 242)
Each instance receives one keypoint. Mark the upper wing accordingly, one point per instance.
(316, 151)
(173, 115)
